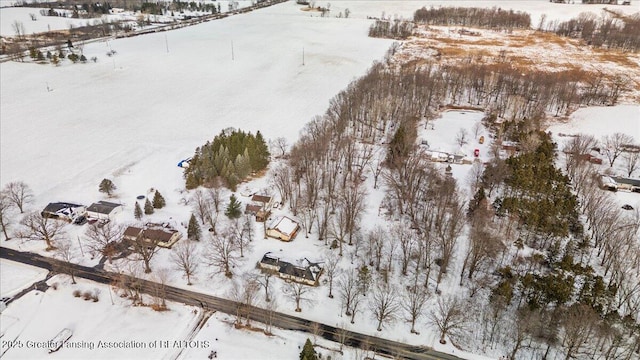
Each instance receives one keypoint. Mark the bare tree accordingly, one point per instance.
(316, 330)
(298, 293)
(65, 252)
(245, 293)
(413, 300)
(186, 258)
(579, 323)
(384, 304)
(104, 239)
(160, 287)
(143, 251)
(5, 208)
(18, 29)
(614, 145)
(450, 228)
(449, 317)
(223, 252)
(342, 335)
(271, 308)
(462, 137)
(476, 128)
(407, 240)
(41, 228)
(241, 236)
(263, 279)
(19, 194)
(483, 247)
(348, 290)
(280, 145)
(631, 160)
(201, 205)
(331, 269)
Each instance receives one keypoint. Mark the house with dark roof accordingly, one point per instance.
(260, 208)
(309, 273)
(152, 236)
(63, 211)
(103, 210)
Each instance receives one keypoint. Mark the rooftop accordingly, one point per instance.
(103, 207)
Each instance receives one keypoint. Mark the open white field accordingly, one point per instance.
(16, 276)
(149, 106)
(101, 330)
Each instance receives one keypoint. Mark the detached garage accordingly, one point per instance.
(103, 210)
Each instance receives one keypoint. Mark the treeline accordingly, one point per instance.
(230, 158)
(494, 18)
(602, 31)
(396, 29)
(384, 96)
(550, 300)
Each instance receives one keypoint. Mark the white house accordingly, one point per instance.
(103, 210)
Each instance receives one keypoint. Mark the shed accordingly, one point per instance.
(103, 210)
(283, 228)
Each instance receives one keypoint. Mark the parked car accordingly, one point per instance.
(627, 207)
(80, 220)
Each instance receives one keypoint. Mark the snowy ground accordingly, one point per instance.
(357, 9)
(600, 122)
(37, 317)
(132, 117)
(15, 277)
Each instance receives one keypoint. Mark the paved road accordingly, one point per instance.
(280, 320)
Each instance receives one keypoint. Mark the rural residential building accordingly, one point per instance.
(152, 236)
(63, 211)
(309, 273)
(283, 228)
(103, 210)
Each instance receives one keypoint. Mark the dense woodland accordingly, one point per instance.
(494, 18)
(230, 158)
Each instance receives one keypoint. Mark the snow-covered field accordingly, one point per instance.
(98, 327)
(15, 277)
(133, 116)
(357, 9)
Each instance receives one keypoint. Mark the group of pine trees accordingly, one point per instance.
(158, 202)
(230, 158)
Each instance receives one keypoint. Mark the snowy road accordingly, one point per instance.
(205, 301)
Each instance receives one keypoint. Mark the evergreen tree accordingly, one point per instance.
(107, 186)
(233, 209)
(158, 200)
(308, 352)
(137, 211)
(148, 208)
(193, 230)
(364, 279)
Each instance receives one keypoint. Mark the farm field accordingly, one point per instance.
(131, 117)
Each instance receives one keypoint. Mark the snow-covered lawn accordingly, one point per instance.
(15, 277)
(600, 122)
(101, 330)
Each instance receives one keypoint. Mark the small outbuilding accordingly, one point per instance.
(104, 210)
(283, 228)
